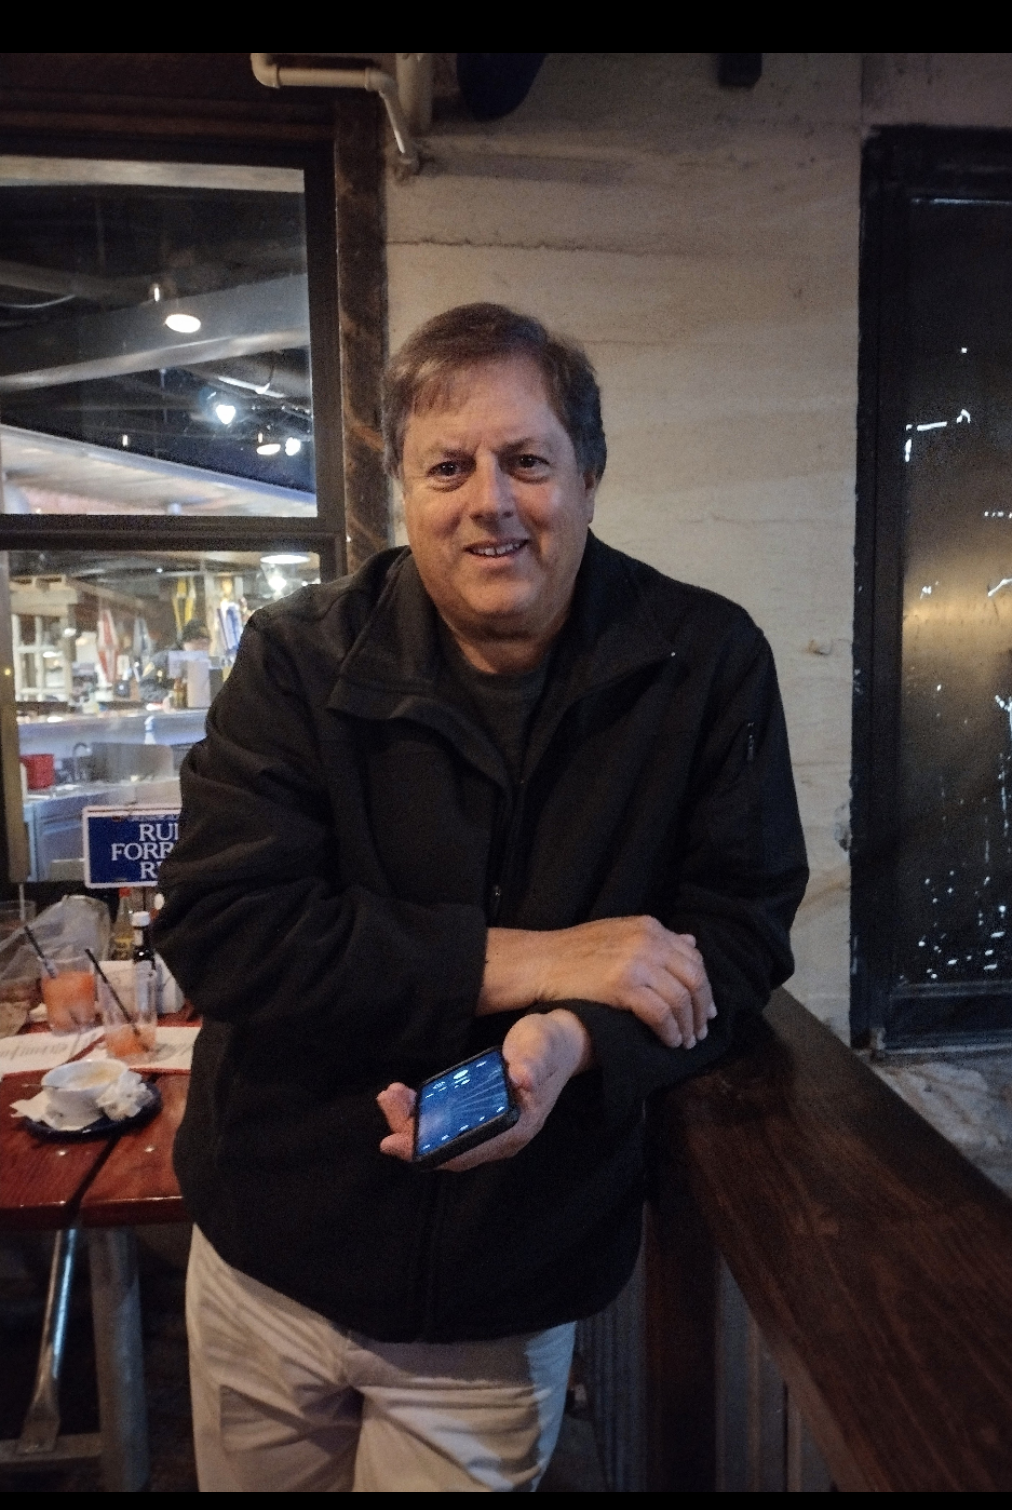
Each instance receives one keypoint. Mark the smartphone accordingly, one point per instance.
(462, 1107)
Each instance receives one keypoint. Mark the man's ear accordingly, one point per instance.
(591, 482)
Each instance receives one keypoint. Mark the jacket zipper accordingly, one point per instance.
(499, 845)
(507, 851)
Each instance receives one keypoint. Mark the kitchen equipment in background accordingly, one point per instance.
(40, 771)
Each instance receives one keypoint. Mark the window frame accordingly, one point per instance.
(900, 165)
(336, 143)
(326, 534)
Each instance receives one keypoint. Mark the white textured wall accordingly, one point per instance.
(703, 243)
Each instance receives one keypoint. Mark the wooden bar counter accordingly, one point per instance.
(875, 1260)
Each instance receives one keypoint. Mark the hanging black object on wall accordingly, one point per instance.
(494, 83)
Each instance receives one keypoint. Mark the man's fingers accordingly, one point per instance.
(676, 1009)
(397, 1103)
(674, 985)
(700, 996)
(687, 964)
(704, 1010)
(399, 1146)
(658, 1013)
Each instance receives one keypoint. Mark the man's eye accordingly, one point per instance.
(528, 462)
(446, 469)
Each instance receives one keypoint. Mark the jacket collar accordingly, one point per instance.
(395, 667)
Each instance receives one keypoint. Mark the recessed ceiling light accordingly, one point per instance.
(185, 325)
(225, 413)
(269, 448)
(285, 558)
(292, 446)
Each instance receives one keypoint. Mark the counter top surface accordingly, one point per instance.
(144, 792)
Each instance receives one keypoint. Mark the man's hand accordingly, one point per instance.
(542, 1051)
(634, 964)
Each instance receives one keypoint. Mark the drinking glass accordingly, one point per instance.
(131, 1026)
(69, 995)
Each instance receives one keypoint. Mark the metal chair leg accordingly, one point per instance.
(42, 1421)
(119, 1358)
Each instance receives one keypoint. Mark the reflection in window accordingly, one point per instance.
(95, 633)
(155, 339)
(116, 660)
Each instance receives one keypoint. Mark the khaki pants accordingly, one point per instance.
(283, 1399)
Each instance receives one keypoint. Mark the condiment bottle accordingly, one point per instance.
(121, 944)
(145, 973)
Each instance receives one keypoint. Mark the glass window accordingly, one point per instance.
(116, 660)
(155, 339)
(932, 952)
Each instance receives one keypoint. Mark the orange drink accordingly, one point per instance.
(130, 1040)
(129, 1017)
(69, 995)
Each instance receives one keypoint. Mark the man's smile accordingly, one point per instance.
(493, 551)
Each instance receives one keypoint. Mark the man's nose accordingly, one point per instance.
(491, 489)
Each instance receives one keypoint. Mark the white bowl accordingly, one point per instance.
(75, 1088)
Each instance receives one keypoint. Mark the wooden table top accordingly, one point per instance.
(40, 1183)
(136, 1182)
(121, 1180)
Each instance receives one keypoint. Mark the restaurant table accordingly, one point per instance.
(104, 1187)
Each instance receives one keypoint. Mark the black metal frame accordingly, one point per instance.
(326, 534)
(901, 164)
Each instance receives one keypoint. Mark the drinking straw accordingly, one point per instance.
(112, 988)
(35, 945)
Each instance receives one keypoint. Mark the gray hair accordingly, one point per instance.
(426, 365)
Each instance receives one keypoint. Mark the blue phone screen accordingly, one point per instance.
(460, 1100)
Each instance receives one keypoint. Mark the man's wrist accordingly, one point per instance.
(578, 1041)
(512, 979)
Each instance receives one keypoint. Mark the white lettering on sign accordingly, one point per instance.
(151, 850)
(168, 832)
(127, 846)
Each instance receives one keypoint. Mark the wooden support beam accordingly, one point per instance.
(362, 304)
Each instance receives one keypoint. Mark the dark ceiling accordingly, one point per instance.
(90, 270)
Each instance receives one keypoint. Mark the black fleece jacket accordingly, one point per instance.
(349, 832)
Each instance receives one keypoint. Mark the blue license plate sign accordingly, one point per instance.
(124, 846)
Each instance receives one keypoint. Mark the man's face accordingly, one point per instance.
(497, 512)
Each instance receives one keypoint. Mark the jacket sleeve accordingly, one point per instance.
(738, 876)
(255, 926)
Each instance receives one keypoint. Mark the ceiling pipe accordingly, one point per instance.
(268, 72)
(414, 89)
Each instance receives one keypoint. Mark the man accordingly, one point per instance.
(155, 682)
(507, 787)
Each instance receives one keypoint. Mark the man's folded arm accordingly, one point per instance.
(738, 874)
